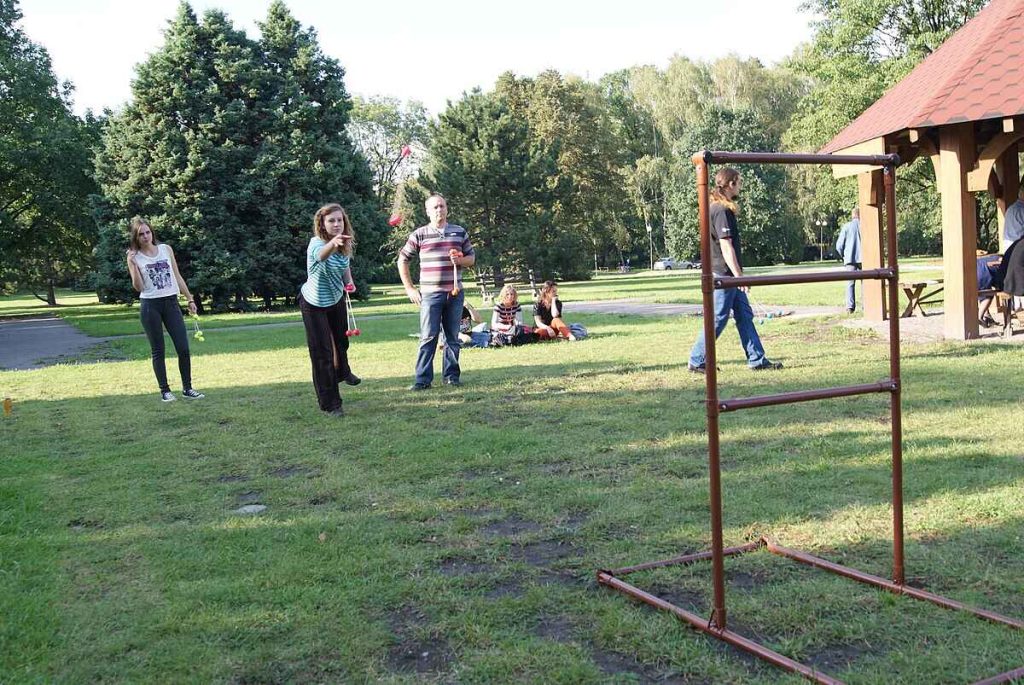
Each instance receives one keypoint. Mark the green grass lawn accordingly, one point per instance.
(453, 535)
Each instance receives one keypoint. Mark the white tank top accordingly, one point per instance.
(157, 275)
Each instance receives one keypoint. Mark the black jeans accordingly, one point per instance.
(157, 313)
(325, 334)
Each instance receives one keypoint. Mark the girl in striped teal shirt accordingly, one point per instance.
(322, 303)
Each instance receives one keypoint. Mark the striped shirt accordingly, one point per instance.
(325, 282)
(432, 245)
(506, 315)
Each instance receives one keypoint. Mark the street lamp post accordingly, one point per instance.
(821, 238)
(650, 239)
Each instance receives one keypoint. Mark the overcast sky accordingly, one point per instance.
(431, 52)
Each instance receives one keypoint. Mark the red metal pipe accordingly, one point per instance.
(805, 396)
(718, 616)
(895, 588)
(1008, 677)
(724, 635)
(785, 279)
(711, 157)
(895, 399)
(686, 559)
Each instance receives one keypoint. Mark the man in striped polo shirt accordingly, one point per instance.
(439, 308)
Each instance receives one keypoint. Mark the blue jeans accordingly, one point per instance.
(851, 288)
(735, 301)
(439, 311)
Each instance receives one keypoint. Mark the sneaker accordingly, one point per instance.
(336, 413)
(420, 386)
(454, 382)
(702, 369)
(192, 394)
(850, 310)
(987, 321)
(766, 365)
(167, 396)
(352, 379)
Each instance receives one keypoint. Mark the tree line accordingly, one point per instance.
(229, 144)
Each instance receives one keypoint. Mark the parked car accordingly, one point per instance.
(665, 264)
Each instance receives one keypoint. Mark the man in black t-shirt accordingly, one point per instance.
(725, 261)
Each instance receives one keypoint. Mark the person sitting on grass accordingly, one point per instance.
(507, 319)
(155, 276)
(547, 314)
(470, 318)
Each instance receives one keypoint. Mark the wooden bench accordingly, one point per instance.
(919, 293)
(491, 286)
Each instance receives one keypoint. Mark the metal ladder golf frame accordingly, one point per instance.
(716, 626)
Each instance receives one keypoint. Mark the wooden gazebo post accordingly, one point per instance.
(957, 157)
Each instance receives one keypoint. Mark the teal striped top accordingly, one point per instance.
(325, 282)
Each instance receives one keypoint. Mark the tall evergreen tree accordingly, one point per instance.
(229, 146)
(307, 157)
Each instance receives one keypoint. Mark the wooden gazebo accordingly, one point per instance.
(963, 107)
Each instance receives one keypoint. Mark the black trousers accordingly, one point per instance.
(163, 312)
(328, 349)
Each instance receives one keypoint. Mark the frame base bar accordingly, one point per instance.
(1008, 677)
(725, 635)
(895, 588)
(686, 559)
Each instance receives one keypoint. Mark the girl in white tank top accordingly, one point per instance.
(156, 277)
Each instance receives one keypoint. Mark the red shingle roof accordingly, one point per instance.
(978, 73)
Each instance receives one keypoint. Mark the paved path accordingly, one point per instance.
(35, 343)
(641, 308)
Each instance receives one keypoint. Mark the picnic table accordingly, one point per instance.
(919, 293)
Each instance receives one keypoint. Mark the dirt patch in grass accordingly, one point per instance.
(506, 588)
(464, 567)
(684, 598)
(743, 580)
(322, 499)
(564, 578)
(834, 658)
(250, 497)
(615, 664)
(84, 524)
(555, 628)
(292, 470)
(415, 652)
(545, 552)
(510, 527)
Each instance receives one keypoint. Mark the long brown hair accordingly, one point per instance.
(723, 178)
(547, 293)
(133, 234)
(320, 230)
